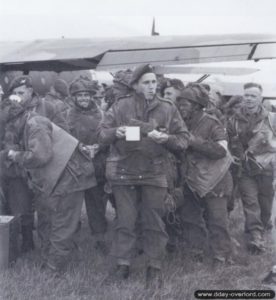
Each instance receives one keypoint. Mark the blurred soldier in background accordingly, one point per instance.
(83, 119)
(99, 97)
(58, 96)
(171, 89)
(59, 90)
(121, 83)
(120, 88)
(232, 107)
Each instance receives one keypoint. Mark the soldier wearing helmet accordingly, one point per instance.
(83, 118)
(121, 82)
(208, 181)
(81, 90)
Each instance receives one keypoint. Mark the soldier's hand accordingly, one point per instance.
(121, 132)
(12, 155)
(158, 137)
(90, 150)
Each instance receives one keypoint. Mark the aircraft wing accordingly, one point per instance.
(197, 69)
(107, 54)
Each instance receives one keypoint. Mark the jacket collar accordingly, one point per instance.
(245, 115)
(148, 105)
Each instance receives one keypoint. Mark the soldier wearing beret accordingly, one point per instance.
(19, 196)
(136, 169)
(56, 174)
(171, 89)
(22, 87)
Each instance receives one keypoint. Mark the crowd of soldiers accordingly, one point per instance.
(177, 179)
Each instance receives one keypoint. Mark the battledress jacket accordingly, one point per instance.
(141, 162)
(207, 162)
(83, 125)
(245, 131)
(51, 157)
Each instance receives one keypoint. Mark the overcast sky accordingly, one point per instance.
(33, 19)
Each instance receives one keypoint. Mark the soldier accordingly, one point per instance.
(171, 89)
(19, 196)
(22, 87)
(57, 175)
(255, 184)
(207, 179)
(232, 107)
(99, 97)
(215, 101)
(136, 169)
(121, 82)
(58, 95)
(83, 119)
(60, 89)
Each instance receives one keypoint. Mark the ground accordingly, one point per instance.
(86, 275)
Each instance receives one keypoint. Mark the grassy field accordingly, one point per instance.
(87, 271)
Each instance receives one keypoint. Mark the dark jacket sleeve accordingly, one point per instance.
(235, 144)
(212, 150)
(107, 129)
(210, 147)
(39, 150)
(178, 133)
(53, 113)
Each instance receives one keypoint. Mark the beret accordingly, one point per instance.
(176, 83)
(140, 71)
(19, 81)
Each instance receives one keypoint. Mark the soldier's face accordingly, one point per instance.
(252, 97)
(23, 92)
(185, 108)
(83, 99)
(99, 96)
(147, 86)
(171, 93)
